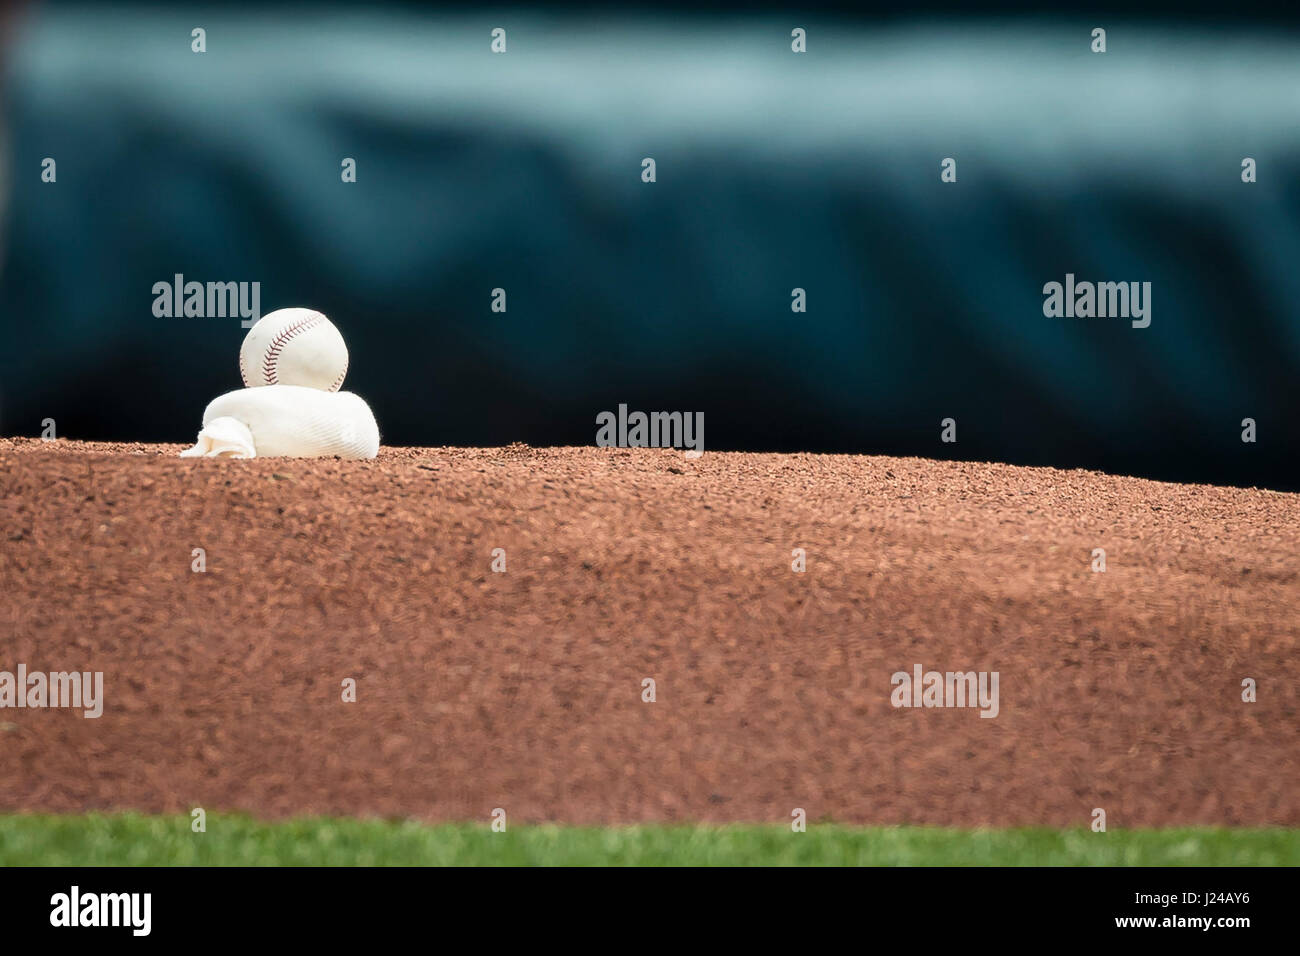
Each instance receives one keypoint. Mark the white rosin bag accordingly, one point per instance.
(286, 421)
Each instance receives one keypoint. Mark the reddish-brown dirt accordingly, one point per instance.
(523, 689)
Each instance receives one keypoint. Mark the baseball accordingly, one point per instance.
(294, 347)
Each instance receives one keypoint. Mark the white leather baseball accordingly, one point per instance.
(294, 347)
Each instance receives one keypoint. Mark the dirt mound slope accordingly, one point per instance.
(223, 688)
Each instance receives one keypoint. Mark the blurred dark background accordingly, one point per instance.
(774, 171)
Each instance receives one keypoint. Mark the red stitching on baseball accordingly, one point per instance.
(272, 354)
(342, 375)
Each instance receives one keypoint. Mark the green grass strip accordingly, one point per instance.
(137, 840)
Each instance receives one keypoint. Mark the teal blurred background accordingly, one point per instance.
(522, 171)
